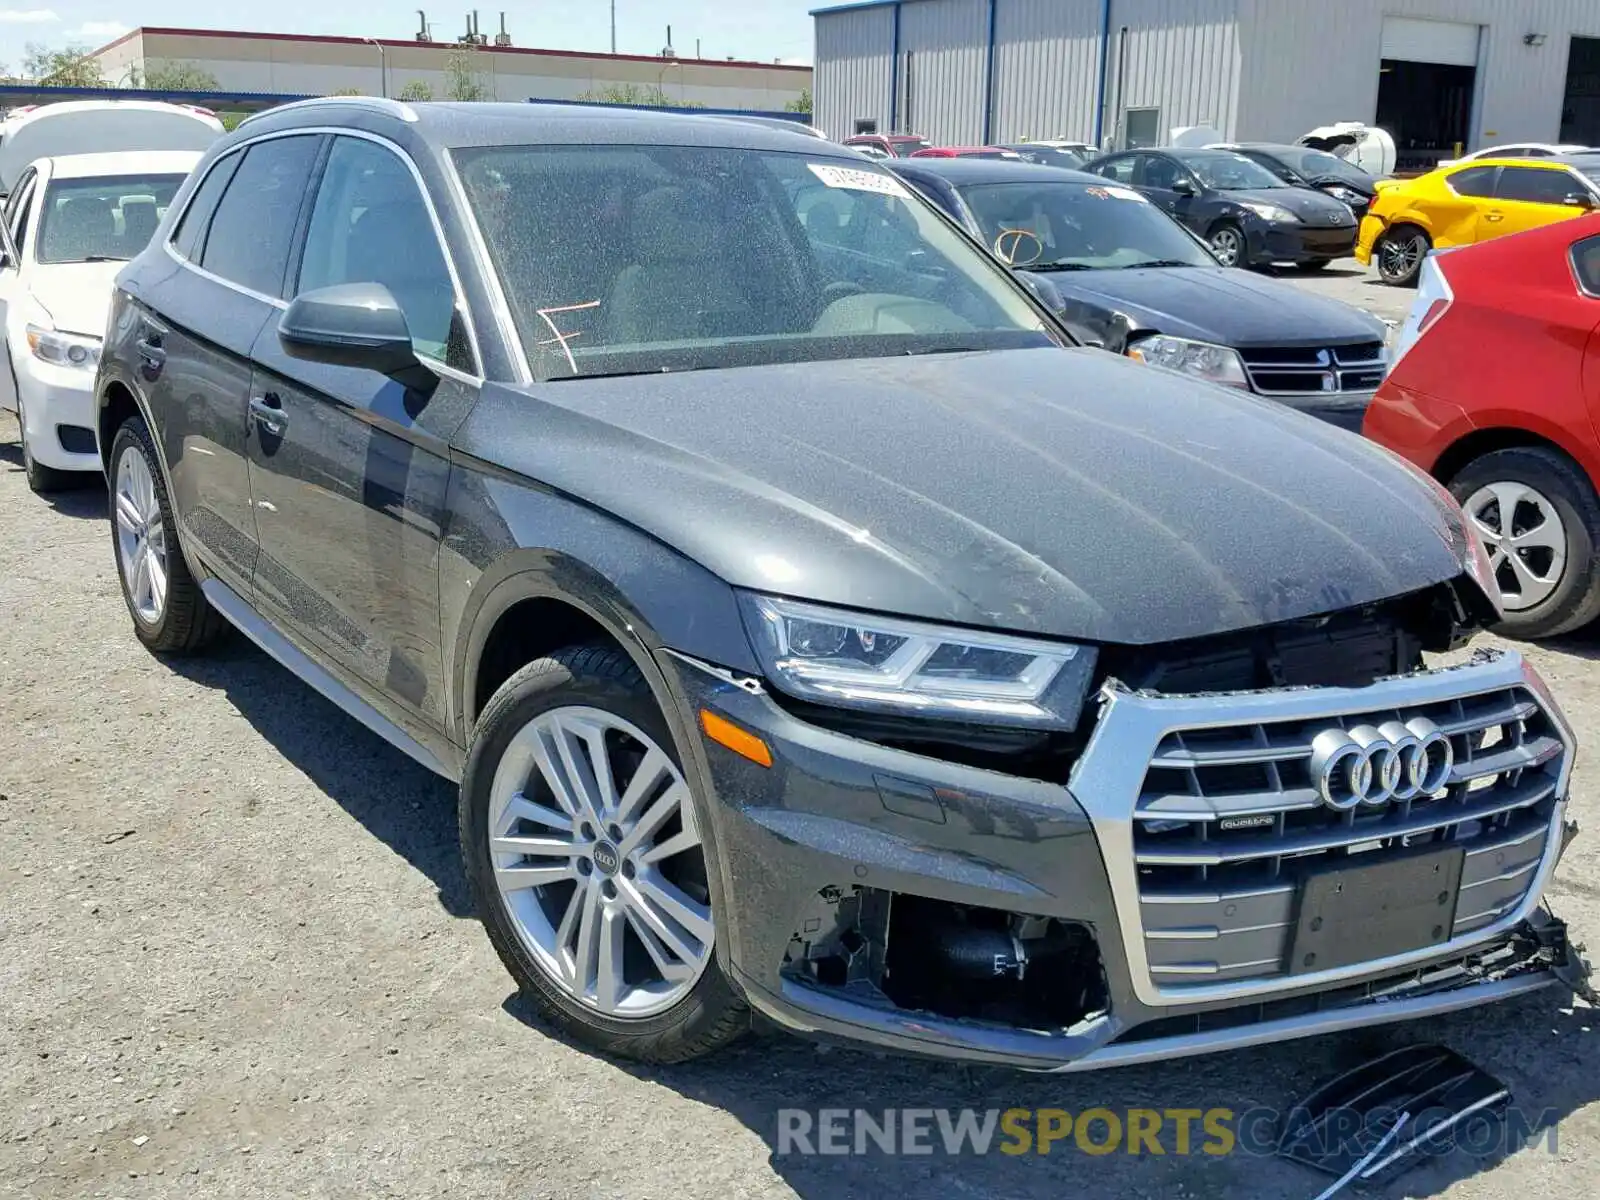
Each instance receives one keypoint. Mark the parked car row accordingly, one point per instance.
(88, 183)
(813, 623)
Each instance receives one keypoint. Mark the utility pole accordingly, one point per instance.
(613, 26)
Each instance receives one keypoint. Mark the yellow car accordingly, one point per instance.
(1471, 201)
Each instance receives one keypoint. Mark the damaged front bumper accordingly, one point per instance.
(1150, 906)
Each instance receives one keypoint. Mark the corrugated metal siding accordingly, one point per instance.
(943, 69)
(1309, 62)
(1183, 57)
(852, 76)
(1047, 63)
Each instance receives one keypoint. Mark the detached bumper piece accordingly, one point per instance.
(1374, 1117)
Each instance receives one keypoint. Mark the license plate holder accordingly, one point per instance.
(1357, 912)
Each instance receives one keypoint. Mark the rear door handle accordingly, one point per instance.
(1494, 216)
(267, 412)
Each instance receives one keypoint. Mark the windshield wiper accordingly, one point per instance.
(1157, 262)
(103, 258)
(1059, 266)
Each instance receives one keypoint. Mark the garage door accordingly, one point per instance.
(1411, 40)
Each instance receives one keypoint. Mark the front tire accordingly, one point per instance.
(1227, 242)
(1539, 517)
(1399, 254)
(581, 843)
(170, 613)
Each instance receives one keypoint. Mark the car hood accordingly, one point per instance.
(77, 296)
(1305, 203)
(1221, 304)
(1067, 493)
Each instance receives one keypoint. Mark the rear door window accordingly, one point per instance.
(189, 238)
(253, 227)
(1120, 169)
(1476, 182)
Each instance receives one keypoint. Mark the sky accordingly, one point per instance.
(749, 29)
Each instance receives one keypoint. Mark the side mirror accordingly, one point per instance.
(1183, 187)
(354, 325)
(1579, 200)
(1043, 291)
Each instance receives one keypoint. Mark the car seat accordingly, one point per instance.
(82, 226)
(680, 285)
(139, 221)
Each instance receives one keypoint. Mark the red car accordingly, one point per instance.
(965, 152)
(1495, 391)
(891, 145)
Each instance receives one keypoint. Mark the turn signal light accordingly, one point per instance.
(740, 741)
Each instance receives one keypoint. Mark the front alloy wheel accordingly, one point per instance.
(1227, 243)
(141, 537)
(583, 844)
(598, 861)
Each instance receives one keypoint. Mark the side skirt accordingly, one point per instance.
(244, 618)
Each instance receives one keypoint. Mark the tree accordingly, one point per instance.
(71, 67)
(465, 79)
(348, 92)
(801, 104)
(176, 76)
(417, 89)
(636, 95)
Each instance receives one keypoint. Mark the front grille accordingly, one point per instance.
(1310, 371)
(1228, 824)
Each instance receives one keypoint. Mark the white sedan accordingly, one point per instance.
(67, 228)
(1519, 150)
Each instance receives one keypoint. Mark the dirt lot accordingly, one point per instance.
(236, 960)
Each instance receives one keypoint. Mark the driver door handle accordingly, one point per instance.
(1494, 216)
(267, 412)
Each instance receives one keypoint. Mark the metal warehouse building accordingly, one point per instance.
(1433, 72)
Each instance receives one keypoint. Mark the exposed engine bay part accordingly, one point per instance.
(1409, 1101)
(955, 961)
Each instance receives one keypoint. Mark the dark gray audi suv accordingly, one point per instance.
(811, 628)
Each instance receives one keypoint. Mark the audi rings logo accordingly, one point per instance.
(1372, 766)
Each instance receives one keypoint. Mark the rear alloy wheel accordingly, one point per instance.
(1227, 243)
(170, 613)
(584, 851)
(1399, 255)
(1538, 517)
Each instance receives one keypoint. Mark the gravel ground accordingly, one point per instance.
(236, 960)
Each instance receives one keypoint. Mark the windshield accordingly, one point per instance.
(1588, 168)
(1228, 172)
(1051, 156)
(1319, 162)
(1066, 226)
(96, 220)
(905, 147)
(628, 259)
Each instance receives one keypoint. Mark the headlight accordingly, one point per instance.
(1345, 194)
(1219, 364)
(1273, 212)
(63, 349)
(884, 664)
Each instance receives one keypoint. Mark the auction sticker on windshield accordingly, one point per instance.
(859, 181)
(1100, 191)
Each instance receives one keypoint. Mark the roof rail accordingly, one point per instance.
(382, 104)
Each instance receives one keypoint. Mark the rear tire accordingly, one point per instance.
(170, 613)
(1538, 515)
(594, 867)
(1399, 254)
